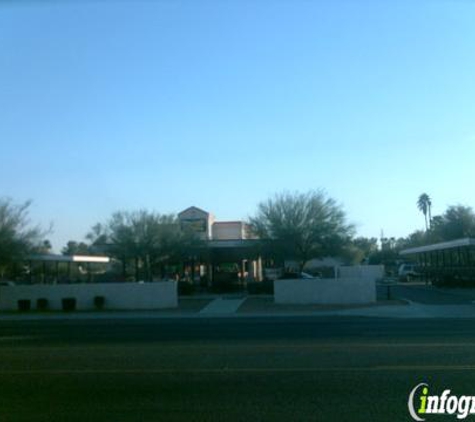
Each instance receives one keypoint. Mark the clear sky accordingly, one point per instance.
(122, 105)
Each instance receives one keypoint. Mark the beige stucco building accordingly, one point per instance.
(231, 253)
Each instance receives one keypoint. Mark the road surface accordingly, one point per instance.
(246, 369)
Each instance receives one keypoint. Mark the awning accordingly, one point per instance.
(440, 246)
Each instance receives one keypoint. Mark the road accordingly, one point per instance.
(259, 369)
(427, 295)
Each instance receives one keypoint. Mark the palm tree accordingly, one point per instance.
(424, 204)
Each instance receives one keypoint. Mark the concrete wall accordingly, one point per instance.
(117, 295)
(370, 272)
(325, 291)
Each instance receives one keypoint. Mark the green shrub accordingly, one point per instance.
(24, 304)
(99, 302)
(185, 288)
(42, 304)
(69, 303)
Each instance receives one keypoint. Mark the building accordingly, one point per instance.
(226, 258)
(449, 263)
(206, 227)
(230, 256)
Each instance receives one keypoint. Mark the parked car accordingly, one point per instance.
(407, 272)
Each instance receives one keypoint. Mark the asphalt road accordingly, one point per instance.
(427, 295)
(315, 369)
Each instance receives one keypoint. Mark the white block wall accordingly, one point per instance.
(129, 296)
(325, 291)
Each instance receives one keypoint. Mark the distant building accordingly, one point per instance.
(231, 255)
(207, 228)
(198, 221)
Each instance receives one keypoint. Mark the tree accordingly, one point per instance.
(303, 226)
(457, 222)
(387, 254)
(366, 245)
(424, 204)
(76, 248)
(415, 239)
(145, 238)
(360, 249)
(17, 236)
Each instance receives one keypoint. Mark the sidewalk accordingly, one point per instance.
(464, 292)
(222, 306)
(258, 307)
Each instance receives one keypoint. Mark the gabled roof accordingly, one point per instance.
(193, 208)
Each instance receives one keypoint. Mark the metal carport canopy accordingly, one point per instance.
(68, 258)
(439, 246)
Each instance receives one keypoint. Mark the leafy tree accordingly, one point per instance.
(145, 238)
(366, 245)
(360, 249)
(98, 235)
(457, 222)
(386, 256)
(76, 248)
(424, 204)
(303, 225)
(43, 247)
(415, 239)
(17, 236)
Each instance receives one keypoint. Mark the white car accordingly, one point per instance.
(408, 272)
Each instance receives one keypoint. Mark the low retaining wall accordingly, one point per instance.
(156, 295)
(325, 291)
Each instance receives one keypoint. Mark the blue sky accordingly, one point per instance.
(122, 105)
